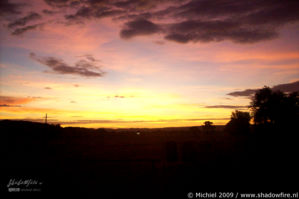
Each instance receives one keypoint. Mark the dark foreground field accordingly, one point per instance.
(146, 163)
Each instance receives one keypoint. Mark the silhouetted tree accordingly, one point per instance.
(239, 122)
(208, 126)
(276, 118)
(275, 108)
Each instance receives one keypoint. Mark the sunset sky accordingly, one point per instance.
(143, 63)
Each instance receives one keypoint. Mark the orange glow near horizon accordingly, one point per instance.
(119, 70)
(129, 113)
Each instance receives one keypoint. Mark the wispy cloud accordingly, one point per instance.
(32, 16)
(6, 105)
(82, 67)
(227, 106)
(288, 87)
(19, 31)
(136, 121)
(7, 101)
(244, 93)
(120, 96)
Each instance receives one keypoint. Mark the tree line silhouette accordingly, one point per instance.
(270, 110)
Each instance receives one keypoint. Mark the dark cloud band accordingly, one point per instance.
(9, 8)
(139, 27)
(289, 87)
(180, 21)
(24, 20)
(227, 106)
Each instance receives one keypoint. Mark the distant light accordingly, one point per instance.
(138, 133)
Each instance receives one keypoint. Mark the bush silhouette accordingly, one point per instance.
(208, 126)
(239, 122)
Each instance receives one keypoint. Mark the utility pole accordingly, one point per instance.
(46, 118)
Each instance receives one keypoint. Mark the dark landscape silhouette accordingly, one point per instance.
(149, 98)
(162, 162)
